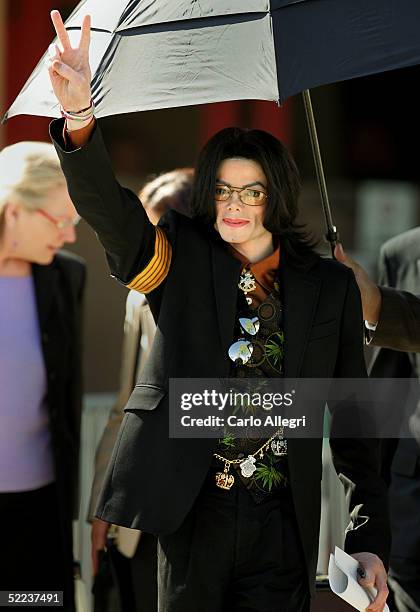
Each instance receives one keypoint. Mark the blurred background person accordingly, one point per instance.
(136, 578)
(393, 313)
(41, 292)
(392, 310)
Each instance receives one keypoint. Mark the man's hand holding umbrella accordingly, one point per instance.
(396, 312)
(369, 291)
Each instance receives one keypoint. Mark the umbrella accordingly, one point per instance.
(150, 54)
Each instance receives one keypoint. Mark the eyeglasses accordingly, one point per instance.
(248, 196)
(60, 224)
(240, 352)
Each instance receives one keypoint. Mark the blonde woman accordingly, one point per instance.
(40, 307)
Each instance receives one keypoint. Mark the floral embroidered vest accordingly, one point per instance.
(266, 361)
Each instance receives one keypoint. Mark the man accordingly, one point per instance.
(138, 590)
(226, 539)
(395, 312)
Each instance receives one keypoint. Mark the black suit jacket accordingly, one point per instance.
(152, 480)
(400, 328)
(59, 293)
(399, 271)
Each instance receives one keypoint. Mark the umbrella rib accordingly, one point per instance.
(78, 28)
(190, 24)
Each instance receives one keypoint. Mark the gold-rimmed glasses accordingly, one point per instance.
(247, 195)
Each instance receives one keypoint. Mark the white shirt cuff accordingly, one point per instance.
(371, 326)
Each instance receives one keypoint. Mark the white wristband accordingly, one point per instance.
(72, 126)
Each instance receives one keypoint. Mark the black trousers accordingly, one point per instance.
(404, 497)
(406, 595)
(144, 574)
(232, 554)
(31, 544)
(135, 579)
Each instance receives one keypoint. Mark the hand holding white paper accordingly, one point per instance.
(342, 575)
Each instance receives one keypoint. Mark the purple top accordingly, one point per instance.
(26, 460)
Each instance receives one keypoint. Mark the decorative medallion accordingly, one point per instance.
(248, 466)
(279, 447)
(251, 326)
(247, 281)
(224, 480)
(241, 351)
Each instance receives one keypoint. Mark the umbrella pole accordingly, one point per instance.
(332, 234)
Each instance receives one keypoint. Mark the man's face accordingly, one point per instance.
(237, 223)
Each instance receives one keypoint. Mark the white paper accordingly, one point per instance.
(342, 574)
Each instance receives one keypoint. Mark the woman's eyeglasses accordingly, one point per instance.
(247, 195)
(60, 224)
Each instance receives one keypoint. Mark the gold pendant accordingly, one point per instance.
(224, 480)
(247, 282)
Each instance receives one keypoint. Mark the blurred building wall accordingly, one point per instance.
(27, 33)
(2, 68)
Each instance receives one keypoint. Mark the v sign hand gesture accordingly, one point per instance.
(69, 68)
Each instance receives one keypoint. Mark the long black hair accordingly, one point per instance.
(283, 183)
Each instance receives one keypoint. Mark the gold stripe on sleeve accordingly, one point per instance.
(158, 267)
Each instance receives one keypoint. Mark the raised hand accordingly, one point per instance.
(69, 68)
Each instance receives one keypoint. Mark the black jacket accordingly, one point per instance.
(152, 480)
(399, 328)
(399, 322)
(59, 293)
